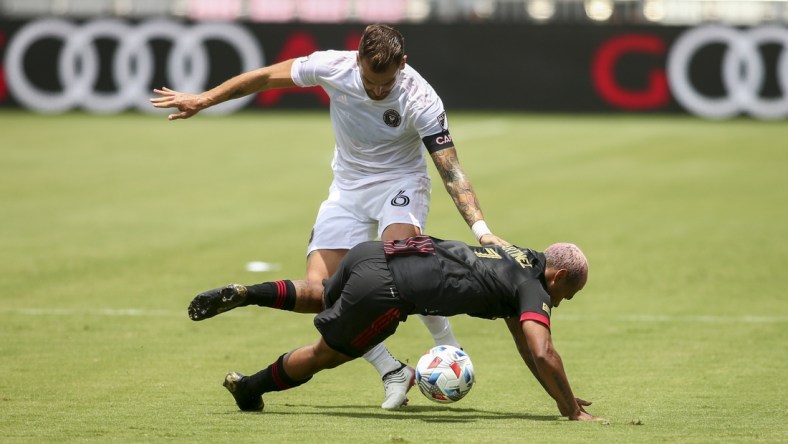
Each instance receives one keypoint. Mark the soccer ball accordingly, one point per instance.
(445, 374)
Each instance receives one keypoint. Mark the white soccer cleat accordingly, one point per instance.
(396, 384)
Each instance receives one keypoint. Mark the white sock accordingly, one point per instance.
(382, 360)
(440, 329)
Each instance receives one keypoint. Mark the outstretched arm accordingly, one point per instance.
(535, 345)
(258, 80)
(461, 192)
(522, 347)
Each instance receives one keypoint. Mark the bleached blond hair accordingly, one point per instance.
(564, 255)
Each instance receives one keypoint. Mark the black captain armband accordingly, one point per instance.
(437, 142)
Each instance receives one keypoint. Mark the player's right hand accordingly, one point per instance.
(491, 239)
(187, 104)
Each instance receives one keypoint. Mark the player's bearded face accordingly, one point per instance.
(378, 85)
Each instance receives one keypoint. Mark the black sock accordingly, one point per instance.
(272, 379)
(278, 294)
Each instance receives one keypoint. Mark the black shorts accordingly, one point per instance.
(363, 307)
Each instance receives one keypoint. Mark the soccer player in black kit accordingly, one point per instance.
(379, 284)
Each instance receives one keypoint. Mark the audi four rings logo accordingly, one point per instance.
(743, 72)
(132, 65)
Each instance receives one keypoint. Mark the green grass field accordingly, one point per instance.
(110, 225)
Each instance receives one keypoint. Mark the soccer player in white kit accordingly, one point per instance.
(384, 115)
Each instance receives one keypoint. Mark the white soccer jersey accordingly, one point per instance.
(375, 140)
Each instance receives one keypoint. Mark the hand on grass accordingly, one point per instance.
(583, 403)
(583, 416)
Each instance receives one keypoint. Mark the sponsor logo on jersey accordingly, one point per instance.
(392, 118)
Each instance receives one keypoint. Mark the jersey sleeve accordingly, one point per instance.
(309, 70)
(535, 303)
(432, 124)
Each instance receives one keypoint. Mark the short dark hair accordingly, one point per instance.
(382, 46)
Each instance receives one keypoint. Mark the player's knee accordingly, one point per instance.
(327, 357)
(314, 289)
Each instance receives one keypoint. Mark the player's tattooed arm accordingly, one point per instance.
(461, 191)
(457, 184)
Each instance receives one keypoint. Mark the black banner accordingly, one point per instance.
(107, 66)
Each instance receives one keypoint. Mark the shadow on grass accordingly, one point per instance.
(436, 414)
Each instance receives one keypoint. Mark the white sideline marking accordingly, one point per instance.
(92, 312)
(142, 312)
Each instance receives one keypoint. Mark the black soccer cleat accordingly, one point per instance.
(235, 383)
(212, 302)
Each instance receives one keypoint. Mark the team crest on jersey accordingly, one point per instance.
(443, 122)
(392, 118)
(546, 308)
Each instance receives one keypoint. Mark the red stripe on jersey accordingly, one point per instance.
(533, 316)
(413, 245)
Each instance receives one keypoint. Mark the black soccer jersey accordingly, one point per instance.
(449, 277)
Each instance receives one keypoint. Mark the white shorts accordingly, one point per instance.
(350, 217)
